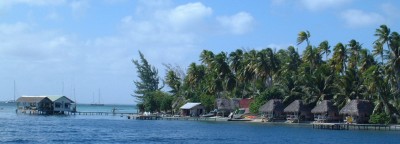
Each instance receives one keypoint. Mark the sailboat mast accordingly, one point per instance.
(93, 98)
(99, 96)
(14, 90)
(74, 94)
(62, 89)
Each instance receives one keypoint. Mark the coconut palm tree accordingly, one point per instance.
(173, 81)
(325, 48)
(339, 58)
(383, 34)
(207, 57)
(379, 50)
(354, 49)
(303, 36)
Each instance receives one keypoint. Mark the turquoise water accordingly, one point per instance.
(21, 128)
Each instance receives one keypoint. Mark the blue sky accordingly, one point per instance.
(89, 44)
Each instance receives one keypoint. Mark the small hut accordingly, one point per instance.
(226, 106)
(192, 109)
(273, 109)
(297, 111)
(357, 111)
(34, 104)
(244, 104)
(325, 111)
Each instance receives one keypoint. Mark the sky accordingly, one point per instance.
(84, 48)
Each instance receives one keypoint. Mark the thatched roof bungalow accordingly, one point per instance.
(325, 111)
(273, 109)
(357, 110)
(297, 110)
(227, 105)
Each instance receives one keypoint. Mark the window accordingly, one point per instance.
(66, 105)
(57, 105)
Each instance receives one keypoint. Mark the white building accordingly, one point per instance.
(192, 109)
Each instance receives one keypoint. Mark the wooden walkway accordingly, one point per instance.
(100, 113)
(343, 126)
(155, 117)
(143, 117)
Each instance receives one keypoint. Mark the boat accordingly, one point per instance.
(12, 101)
(97, 104)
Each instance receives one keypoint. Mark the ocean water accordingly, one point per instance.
(22, 128)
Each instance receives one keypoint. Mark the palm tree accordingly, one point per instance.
(303, 36)
(350, 88)
(383, 34)
(377, 85)
(354, 48)
(378, 50)
(325, 48)
(207, 57)
(339, 58)
(366, 60)
(235, 60)
(173, 81)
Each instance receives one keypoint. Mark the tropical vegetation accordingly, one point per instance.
(339, 72)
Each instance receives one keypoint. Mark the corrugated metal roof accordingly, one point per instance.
(54, 98)
(190, 105)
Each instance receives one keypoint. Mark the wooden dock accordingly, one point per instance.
(344, 126)
(155, 117)
(145, 117)
(101, 113)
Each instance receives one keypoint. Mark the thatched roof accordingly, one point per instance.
(227, 104)
(324, 107)
(273, 105)
(296, 106)
(32, 99)
(355, 107)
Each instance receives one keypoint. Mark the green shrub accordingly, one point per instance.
(381, 118)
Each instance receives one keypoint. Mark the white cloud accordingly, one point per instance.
(323, 4)
(187, 14)
(357, 18)
(21, 42)
(239, 23)
(164, 34)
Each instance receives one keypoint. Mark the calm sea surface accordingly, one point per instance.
(21, 128)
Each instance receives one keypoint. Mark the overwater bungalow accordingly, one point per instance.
(297, 111)
(325, 111)
(62, 104)
(45, 104)
(357, 111)
(192, 109)
(272, 110)
(34, 105)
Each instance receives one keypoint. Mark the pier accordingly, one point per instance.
(100, 113)
(344, 126)
(155, 117)
(145, 117)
